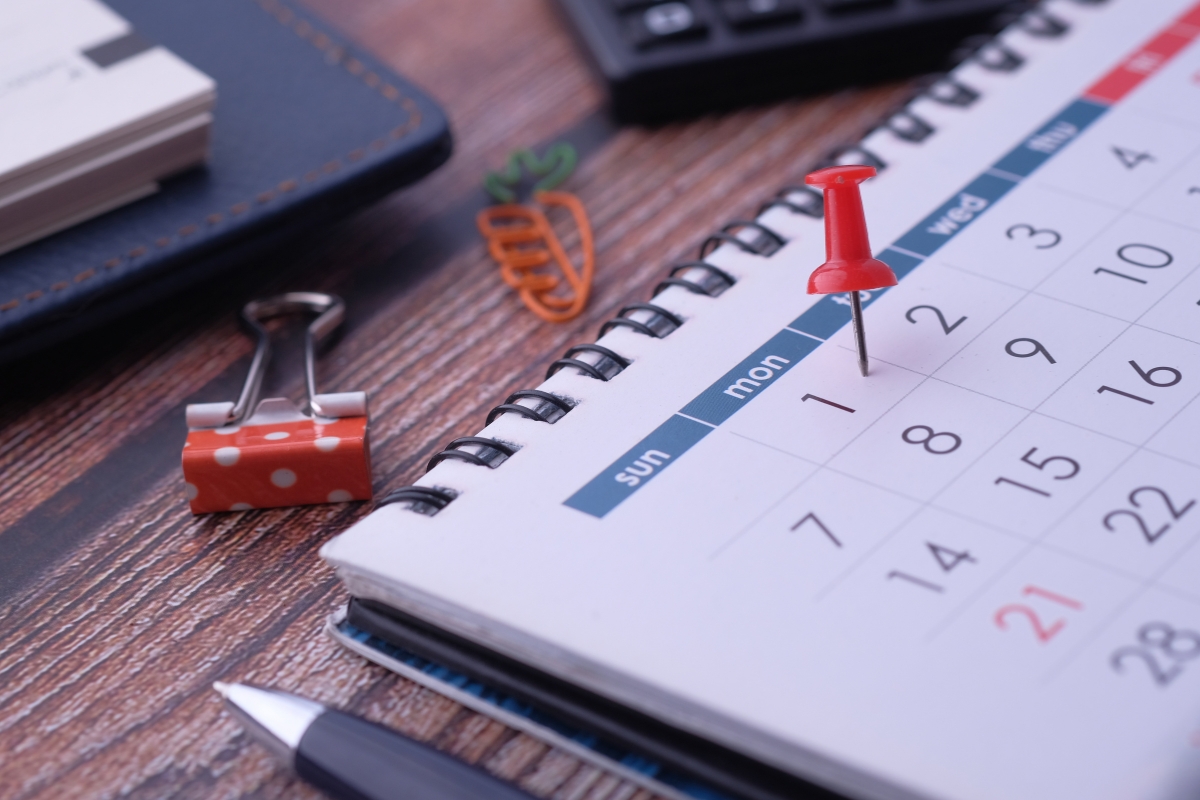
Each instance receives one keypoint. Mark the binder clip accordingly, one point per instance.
(277, 455)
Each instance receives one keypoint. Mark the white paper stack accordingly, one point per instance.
(92, 115)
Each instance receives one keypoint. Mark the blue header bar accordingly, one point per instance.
(955, 214)
(1050, 138)
(751, 376)
(642, 462)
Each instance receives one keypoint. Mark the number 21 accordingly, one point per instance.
(1043, 632)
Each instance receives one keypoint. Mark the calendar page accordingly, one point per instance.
(972, 573)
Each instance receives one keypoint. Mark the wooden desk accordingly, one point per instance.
(119, 608)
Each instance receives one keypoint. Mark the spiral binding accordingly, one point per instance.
(700, 277)
(609, 365)
(421, 499)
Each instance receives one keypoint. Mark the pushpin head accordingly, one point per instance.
(849, 266)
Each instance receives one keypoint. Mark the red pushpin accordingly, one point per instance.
(849, 266)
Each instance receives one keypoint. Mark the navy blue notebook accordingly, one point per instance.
(306, 129)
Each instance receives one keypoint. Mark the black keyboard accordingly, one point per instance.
(663, 60)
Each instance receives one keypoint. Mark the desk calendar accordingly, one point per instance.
(972, 574)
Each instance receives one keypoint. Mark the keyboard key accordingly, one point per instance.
(665, 22)
(744, 14)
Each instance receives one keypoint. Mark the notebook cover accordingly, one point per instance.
(307, 129)
(660, 780)
(727, 771)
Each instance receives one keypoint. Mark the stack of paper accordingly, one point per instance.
(92, 115)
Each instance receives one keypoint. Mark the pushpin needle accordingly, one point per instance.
(848, 265)
(860, 333)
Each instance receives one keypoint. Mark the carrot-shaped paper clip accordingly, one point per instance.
(532, 259)
(522, 242)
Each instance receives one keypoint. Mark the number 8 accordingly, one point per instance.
(927, 442)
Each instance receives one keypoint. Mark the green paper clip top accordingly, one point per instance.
(551, 170)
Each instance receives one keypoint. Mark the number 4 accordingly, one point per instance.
(949, 559)
(1130, 158)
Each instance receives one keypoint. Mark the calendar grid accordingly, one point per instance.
(1031, 543)
(918, 246)
(1108, 328)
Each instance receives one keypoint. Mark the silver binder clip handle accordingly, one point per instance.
(331, 312)
(341, 404)
(208, 415)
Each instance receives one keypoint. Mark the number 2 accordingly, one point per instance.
(908, 315)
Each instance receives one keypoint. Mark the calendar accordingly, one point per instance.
(974, 573)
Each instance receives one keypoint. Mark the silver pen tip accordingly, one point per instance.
(276, 719)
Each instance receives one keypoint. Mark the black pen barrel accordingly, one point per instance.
(352, 759)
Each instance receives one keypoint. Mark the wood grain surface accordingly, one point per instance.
(118, 608)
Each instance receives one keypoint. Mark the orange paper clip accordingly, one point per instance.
(532, 258)
(278, 455)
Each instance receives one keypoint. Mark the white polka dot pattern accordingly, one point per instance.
(283, 478)
(277, 464)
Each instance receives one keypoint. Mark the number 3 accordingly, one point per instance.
(1033, 233)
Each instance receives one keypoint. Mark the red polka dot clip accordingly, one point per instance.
(278, 455)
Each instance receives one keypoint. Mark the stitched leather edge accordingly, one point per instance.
(335, 56)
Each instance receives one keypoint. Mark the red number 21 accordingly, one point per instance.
(1040, 630)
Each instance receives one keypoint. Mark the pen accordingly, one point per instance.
(353, 759)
